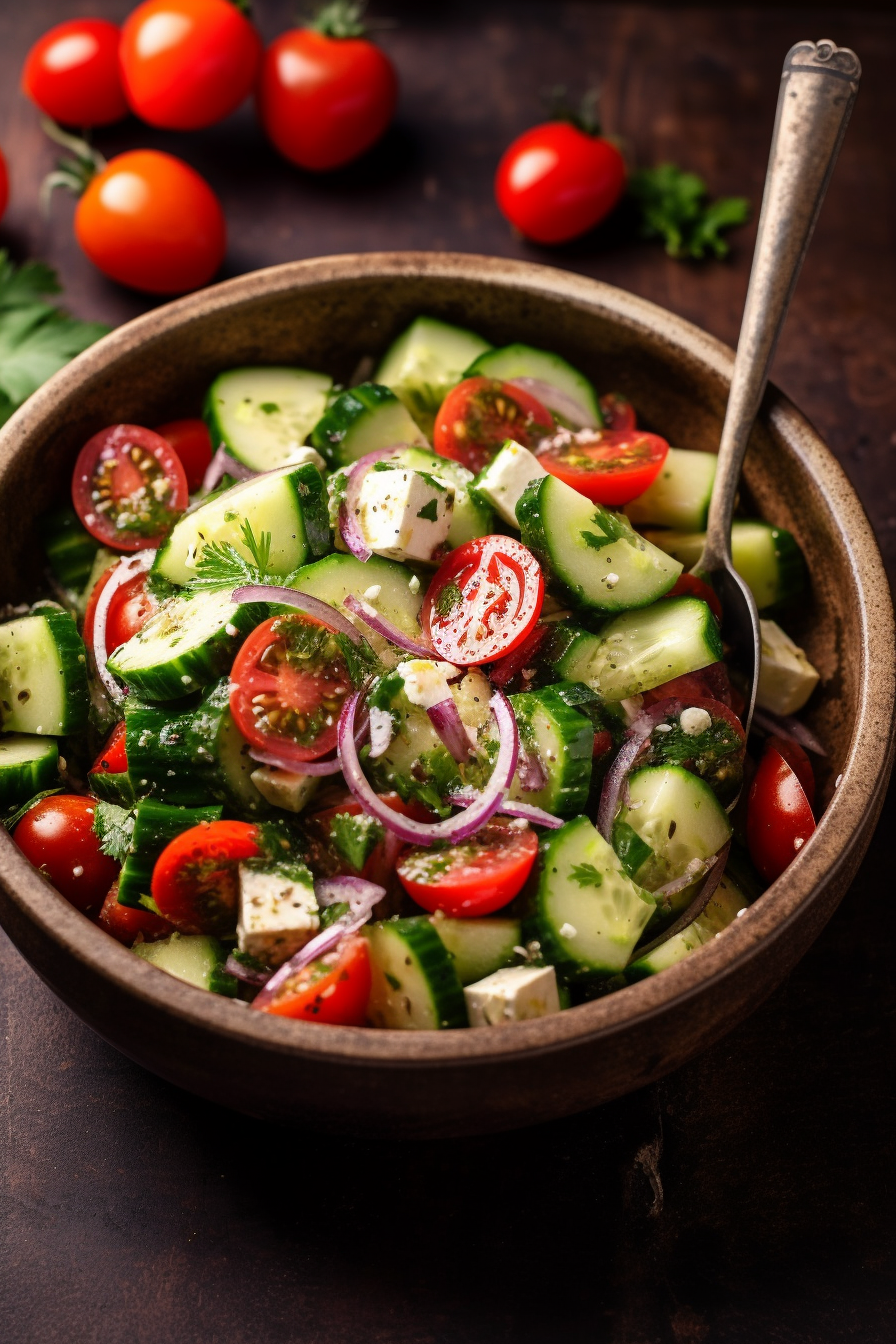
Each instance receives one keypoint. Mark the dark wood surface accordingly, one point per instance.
(749, 1196)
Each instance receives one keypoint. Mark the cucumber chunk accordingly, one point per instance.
(70, 548)
(588, 913)
(414, 984)
(680, 495)
(767, 558)
(361, 420)
(112, 788)
(722, 909)
(155, 826)
(522, 361)
(196, 958)
(190, 641)
(478, 946)
(425, 362)
(43, 675)
(28, 765)
(594, 555)
(263, 415)
(562, 740)
(677, 815)
(290, 503)
(399, 597)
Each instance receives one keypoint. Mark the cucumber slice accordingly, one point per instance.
(263, 415)
(399, 597)
(588, 913)
(767, 558)
(70, 548)
(112, 788)
(562, 740)
(594, 555)
(723, 908)
(361, 420)
(522, 361)
(43, 675)
(155, 826)
(414, 984)
(190, 641)
(196, 958)
(680, 495)
(425, 362)
(641, 649)
(679, 817)
(28, 765)
(290, 503)
(478, 946)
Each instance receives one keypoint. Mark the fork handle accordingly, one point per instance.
(819, 83)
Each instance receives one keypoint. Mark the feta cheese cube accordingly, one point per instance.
(278, 910)
(283, 788)
(786, 677)
(514, 994)
(404, 514)
(505, 478)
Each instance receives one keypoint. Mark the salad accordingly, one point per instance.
(396, 705)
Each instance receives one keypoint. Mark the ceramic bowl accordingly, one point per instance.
(328, 314)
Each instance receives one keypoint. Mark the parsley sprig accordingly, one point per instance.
(221, 565)
(114, 828)
(674, 206)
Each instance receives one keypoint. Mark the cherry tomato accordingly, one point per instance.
(126, 923)
(334, 989)
(324, 99)
(482, 601)
(289, 682)
(323, 858)
(504, 672)
(72, 73)
(195, 882)
(799, 763)
(476, 877)
(607, 466)
(57, 836)
(556, 181)
(128, 487)
(779, 817)
(711, 683)
(186, 64)
(150, 221)
(603, 742)
(192, 442)
(4, 185)
(688, 585)
(480, 413)
(130, 609)
(618, 412)
(113, 759)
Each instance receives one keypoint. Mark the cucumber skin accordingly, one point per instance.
(311, 489)
(20, 782)
(202, 665)
(335, 425)
(435, 965)
(69, 547)
(72, 658)
(573, 382)
(577, 747)
(155, 826)
(112, 788)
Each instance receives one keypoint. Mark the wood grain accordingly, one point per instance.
(750, 1195)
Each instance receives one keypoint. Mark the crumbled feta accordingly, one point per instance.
(278, 912)
(404, 514)
(283, 788)
(414, 583)
(568, 930)
(786, 677)
(373, 592)
(695, 721)
(426, 682)
(514, 994)
(505, 478)
(78, 870)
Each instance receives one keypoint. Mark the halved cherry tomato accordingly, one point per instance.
(779, 816)
(57, 836)
(113, 759)
(195, 882)
(608, 466)
(618, 412)
(799, 763)
(126, 923)
(72, 73)
(556, 181)
(333, 989)
(130, 609)
(128, 487)
(688, 585)
(507, 669)
(192, 442)
(716, 754)
(712, 683)
(480, 413)
(483, 601)
(476, 877)
(289, 681)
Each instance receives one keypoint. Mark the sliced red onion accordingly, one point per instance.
(312, 606)
(370, 616)
(330, 767)
(381, 731)
(449, 725)
(531, 771)
(456, 828)
(350, 530)
(784, 725)
(331, 890)
(222, 464)
(557, 400)
(537, 816)
(350, 506)
(696, 907)
(617, 775)
(245, 973)
(127, 569)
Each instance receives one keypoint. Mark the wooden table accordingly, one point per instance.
(750, 1196)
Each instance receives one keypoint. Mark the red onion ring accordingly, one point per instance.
(222, 464)
(617, 775)
(312, 606)
(330, 890)
(449, 725)
(537, 816)
(349, 508)
(696, 907)
(331, 767)
(456, 828)
(126, 570)
(784, 725)
(245, 973)
(370, 616)
(557, 400)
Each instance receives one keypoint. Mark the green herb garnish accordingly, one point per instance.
(113, 826)
(449, 598)
(355, 837)
(587, 875)
(221, 565)
(430, 511)
(673, 205)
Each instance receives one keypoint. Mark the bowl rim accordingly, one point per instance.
(857, 795)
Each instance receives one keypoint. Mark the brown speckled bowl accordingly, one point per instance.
(326, 314)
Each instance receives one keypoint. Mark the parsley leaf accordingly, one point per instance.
(221, 565)
(449, 598)
(360, 660)
(430, 511)
(596, 540)
(355, 837)
(586, 875)
(113, 826)
(674, 206)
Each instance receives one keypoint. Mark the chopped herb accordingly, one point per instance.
(673, 205)
(394, 982)
(269, 407)
(587, 875)
(113, 826)
(360, 660)
(221, 565)
(631, 850)
(356, 837)
(430, 511)
(449, 598)
(331, 913)
(433, 481)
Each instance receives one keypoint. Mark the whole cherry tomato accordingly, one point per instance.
(325, 93)
(57, 836)
(72, 73)
(557, 181)
(150, 221)
(195, 881)
(779, 817)
(192, 442)
(4, 184)
(186, 64)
